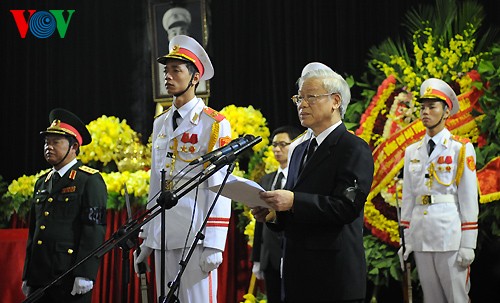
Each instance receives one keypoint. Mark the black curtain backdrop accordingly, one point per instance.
(103, 65)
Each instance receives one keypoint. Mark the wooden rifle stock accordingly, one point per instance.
(407, 288)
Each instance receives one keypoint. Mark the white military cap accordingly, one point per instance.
(185, 48)
(176, 16)
(437, 89)
(314, 66)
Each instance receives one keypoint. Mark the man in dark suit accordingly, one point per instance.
(67, 218)
(266, 251)
(321, 210)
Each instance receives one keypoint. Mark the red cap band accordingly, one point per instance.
(192, 56)
(72, 130)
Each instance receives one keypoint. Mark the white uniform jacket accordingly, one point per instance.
(201, 131)
(448, 178)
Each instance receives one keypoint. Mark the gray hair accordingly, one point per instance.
(332, 82)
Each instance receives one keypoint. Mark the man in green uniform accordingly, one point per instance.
(67, 218)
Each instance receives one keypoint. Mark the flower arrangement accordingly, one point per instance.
(17, 198)
(248, 120)
(115, 144)
(454, 52)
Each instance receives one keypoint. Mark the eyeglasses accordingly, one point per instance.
(281, 144)
(310, 99)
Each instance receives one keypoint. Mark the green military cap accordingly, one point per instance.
(63, 122)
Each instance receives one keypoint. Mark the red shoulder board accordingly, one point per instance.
(214, 114)
(460, 139)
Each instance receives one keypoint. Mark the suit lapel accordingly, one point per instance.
(294, 165)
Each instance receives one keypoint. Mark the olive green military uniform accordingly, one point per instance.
(67, 223)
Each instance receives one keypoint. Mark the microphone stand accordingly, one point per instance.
(130, 230)
(174, 285)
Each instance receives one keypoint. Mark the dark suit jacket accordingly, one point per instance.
(267, 243)
(324, 257)
(67, 222)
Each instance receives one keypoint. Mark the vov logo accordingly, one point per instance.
(42, 24)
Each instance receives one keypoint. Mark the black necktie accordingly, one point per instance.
(55, 177)
(310, 151)
(174, 119)
(431, 146)
(279, 181)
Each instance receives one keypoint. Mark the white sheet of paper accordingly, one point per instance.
(242, 190)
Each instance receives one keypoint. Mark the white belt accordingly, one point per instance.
(433, 199)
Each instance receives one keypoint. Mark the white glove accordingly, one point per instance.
(210, 259)
(82, 286)
(465, 256)
(25, 288)
(402, 258)
(259, 274)
(142, 257)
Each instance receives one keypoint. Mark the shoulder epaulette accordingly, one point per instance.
(214, 114)
(89, 170)
(162, 112)
(460, 139)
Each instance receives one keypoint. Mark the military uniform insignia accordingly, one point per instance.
(471, 164)
(460, 139)
(72, 174)
(223, 141)
(186, 138)
(70, 189)
(441, 160)
(192, 149)
(195, 117)
(214, 114)
(415, 161)
(88, 170)
(448, 160)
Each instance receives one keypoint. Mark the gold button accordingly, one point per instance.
(39, 242)
(50, 199)
(425, 212)
(66, 200)
(37, 200)
(46, 213)
(42, 227)
(70, 251)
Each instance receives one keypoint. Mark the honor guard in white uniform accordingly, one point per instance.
(440, 200)
(186, 131)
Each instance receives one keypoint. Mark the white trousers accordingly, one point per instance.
(442, 279)
(196, 286)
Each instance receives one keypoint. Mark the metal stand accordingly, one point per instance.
(174, 285)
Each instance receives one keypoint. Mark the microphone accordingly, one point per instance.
(233, 153)
(216, 154)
